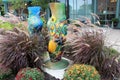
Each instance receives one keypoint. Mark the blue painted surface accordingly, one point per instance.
(34, 11)
(35, 23)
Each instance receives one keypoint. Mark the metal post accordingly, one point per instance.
(67, 2)
(73, 10)
(94, 6)
(106, 12)
(0, 13)
(118, 11)
(117, 8)
(5, 7)
(84, 8)
(76, 9)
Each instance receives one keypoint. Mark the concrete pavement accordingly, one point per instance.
(112, 38)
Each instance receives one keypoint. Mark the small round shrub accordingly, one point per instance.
(29, 74)
(6, 25)
(81, 72)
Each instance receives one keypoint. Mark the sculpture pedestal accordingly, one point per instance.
(57, 69)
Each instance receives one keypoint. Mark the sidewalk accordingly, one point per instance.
(112, 38)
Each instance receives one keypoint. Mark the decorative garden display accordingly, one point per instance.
(57, 30)
(34, 21)
(35, 54)
(115, 22)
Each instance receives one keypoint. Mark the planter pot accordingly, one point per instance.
(115, 24)
(34, 21)
(57, 69)
(57, 30)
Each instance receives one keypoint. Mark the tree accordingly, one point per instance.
(42, 3)
(0, 2)
(18, 5)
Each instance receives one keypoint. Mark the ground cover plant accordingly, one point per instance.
(6, 25)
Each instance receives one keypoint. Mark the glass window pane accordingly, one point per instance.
(62, 1)
(78, 8)
(84, 7)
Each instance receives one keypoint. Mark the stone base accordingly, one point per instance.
(57, 69)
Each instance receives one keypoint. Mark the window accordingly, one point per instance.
(62, 1)
(80, 8)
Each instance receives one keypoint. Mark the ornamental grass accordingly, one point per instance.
(19, 50)
(88, 47)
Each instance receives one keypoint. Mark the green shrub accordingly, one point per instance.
(111, 52)
(29, 74)
(115, 20)
(6, 25)
(81, 72)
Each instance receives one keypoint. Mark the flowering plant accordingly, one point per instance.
(81, 72)
(29, 74)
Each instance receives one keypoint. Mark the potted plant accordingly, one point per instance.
(115, 22)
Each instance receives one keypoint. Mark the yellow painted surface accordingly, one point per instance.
(52, 46)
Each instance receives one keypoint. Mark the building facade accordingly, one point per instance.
(105, 9)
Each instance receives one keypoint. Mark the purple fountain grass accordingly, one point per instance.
(19, 50)
(12, 19)
(86, 45)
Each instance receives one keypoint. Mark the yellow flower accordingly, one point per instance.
(61, 24)
(52, 27)
(53, 19)
(78, 72)
(63, 35)
(95, 72)
(92, 75)
(52, 33)
(57, 25)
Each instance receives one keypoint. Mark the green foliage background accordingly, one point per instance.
(6, 25)
(42, 3)
(16, 4)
